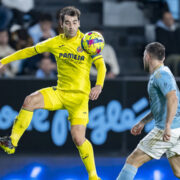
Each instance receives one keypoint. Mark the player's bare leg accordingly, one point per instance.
(136, 159)
(175, 165)
(33, 101)
(85, 150)
(22, 121)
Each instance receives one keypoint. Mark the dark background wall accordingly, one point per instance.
(122, 103)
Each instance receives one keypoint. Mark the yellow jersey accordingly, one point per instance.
(73, 63)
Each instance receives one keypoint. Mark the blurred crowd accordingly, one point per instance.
(168, 33)
(21, 26)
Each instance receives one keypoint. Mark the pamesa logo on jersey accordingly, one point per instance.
(71, 56)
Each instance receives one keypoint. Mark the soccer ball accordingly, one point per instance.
(93, 42)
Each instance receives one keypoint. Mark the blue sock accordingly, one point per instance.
(128, 172)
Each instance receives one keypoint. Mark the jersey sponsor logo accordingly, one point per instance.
(80, 49)
(71, 56)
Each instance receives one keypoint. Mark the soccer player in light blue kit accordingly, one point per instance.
(165, 110)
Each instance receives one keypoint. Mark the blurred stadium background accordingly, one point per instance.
(46, 151)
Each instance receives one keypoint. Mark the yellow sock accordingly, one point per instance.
(87, 156)
(21, 123)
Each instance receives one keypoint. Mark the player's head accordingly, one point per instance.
(153, 51)
(70, 20)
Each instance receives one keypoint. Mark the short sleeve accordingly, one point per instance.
(165, 81)
(44, 46)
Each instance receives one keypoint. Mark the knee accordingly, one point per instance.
(78, 134)
(132, 161)
(78, 139)
(29, 103)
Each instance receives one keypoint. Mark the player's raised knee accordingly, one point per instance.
(29, 103)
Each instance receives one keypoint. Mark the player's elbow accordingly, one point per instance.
(174, 99)
(105, 69)
(101, 69)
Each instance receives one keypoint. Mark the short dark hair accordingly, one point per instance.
(156, 50)
(70, 11)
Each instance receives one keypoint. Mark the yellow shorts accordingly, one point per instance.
(76, 103)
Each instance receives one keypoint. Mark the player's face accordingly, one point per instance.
(70, 25)
(146, 61)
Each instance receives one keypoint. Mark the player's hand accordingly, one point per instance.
(167, 134)
(136, 130)
(95, 92)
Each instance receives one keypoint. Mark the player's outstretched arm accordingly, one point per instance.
(101, 73)
(136, 130)
(21, 54)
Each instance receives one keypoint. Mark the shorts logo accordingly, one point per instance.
(80, 49)
(85, 157)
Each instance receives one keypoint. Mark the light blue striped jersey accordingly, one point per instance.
(160, 83)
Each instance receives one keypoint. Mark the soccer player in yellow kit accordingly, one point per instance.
(72, 91)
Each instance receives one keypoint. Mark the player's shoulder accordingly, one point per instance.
(49, 40)
(55, 38)
(162, 73)
(165, 71)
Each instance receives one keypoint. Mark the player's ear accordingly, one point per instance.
(148, 56)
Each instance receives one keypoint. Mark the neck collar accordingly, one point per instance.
(157, 67)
